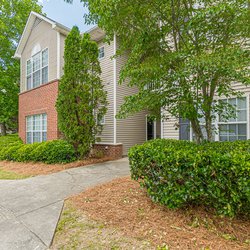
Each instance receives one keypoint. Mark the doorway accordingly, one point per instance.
(150, 129)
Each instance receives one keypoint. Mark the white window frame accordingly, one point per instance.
(102, 47)
(33, 130)
(217, 122)
(41, 69)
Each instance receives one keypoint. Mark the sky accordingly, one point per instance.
(65, 13)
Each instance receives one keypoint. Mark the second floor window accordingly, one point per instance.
(37, 70)
(101, 53)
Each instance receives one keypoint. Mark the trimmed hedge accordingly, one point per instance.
(8, 139)
(179, 173)
(57, 151)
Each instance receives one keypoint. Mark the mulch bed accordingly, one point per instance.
(123, 204)
(34, 168)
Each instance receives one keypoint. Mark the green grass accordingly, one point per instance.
(5, 175)
(8, 139)
(77, 231)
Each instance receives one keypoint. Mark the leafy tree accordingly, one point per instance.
(183, 54)
(81, 101)
(13, 17)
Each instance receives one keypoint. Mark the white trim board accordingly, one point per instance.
(58, 37)
(115, 86)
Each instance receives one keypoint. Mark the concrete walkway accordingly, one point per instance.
(30, 209)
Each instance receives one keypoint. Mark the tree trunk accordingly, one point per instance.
(209, 128)
(197, 131)
(3, 128)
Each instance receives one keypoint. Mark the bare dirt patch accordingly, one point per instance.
(34, 168)
(123, 204)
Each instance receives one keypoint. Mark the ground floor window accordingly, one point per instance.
(36, 128)
(235, 128)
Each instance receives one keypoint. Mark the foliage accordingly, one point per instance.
(82, 99)
(181, 173)
(8, 153)
(6, 175)
(183, 55)
(14, 14)
(7, 140)
(57, 151)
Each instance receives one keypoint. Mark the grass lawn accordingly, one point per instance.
(76, 231)
(122, 207)
(6, 175)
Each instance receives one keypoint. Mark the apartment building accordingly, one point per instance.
(41, 50)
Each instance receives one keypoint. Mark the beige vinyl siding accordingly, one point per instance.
(132, 130)
(62, 46)
(169, 129)
(38, 37)
(158, 129)
(241, 87)
(107, 76)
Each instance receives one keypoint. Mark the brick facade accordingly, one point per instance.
(110, 150)
(38, 101)
(42, 100)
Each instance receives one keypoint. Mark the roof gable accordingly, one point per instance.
(33, 20)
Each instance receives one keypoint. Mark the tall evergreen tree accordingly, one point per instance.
(82, 100)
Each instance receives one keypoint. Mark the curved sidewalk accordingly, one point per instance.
(30, 208)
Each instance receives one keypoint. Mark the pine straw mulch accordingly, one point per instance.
(123, 204)
(38, 168)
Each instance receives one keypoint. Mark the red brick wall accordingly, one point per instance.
(114, 151)
(38, 101)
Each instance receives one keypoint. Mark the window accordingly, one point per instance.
(29, 72)
(236, 127)
(45, 59)
(101, 53)
(36, 128)
(37, 70)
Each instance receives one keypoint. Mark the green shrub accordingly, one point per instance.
(25, 153)
(9, 139)
(57, 151)
(7, 153)
(180, 173)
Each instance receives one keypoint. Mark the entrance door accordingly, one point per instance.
(151, 130)
(184, 129)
